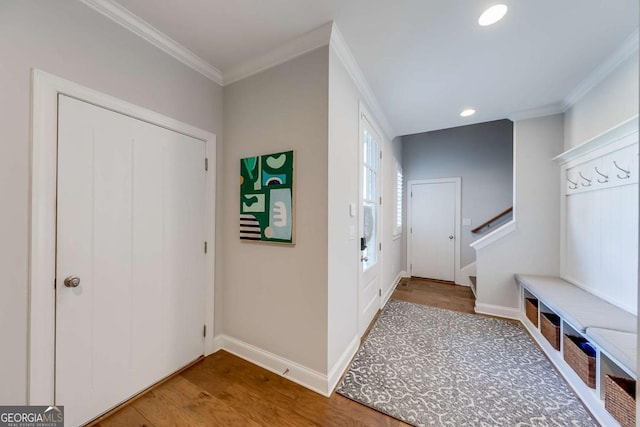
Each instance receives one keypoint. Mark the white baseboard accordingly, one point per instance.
(218, 342)
(465, 272)
(342, 364)
(396, 281)
(404, 274)
(295, 372)
(498, 311)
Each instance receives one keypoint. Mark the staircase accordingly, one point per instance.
(491, 224)
(473, 284)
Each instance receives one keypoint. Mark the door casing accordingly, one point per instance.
(458, 211)
(365, 115)
(42, 251)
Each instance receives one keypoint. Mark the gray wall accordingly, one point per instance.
(72, 41)
(275, 297)
(482, 154)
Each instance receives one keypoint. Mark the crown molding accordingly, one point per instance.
(306, 43)
(533, 113)
(602, 71)
(143, 29)
(343, 51)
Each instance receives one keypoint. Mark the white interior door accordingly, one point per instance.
(432, 230)
(131, 227)
(369, 287)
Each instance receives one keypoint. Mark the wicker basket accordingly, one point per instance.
(550, 328)
(620, 400)
(531, 310)
(583, 364)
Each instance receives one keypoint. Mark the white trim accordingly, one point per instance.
(602, 71)
(533, 113)
(495, 235)
(365, 116)
(306, 377)
(498, 311)
(626, 49)
(458, 235)
(45, 90)
(306, 43)
(394, 285)
(148, 32)
(341, 48)
(218, 343)
(466, 271)
(616, 133)
(342, 364)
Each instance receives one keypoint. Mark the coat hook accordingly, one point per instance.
(606, 177)
(627, 173)
(586, 179)
(575, 184)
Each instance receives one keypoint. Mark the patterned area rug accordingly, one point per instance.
(433, 367)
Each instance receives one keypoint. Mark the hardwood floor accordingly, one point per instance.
(436, 294)
(224, 390)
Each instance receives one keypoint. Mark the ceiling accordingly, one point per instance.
(425, 60)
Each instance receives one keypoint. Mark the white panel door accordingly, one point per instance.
(432, 234)
(369, 287)
(131, 227)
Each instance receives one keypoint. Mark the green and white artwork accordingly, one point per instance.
(266, 198)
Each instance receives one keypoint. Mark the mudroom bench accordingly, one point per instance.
(590, 341)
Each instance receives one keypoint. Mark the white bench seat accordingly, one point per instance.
(578, 307)
(622, 346)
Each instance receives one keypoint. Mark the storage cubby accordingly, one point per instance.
(620, 399)
(531, 308)
(603, 380)
(550, 327)
(580, 355)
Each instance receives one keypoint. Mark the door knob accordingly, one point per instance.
(364, 258)
(450, 237)
(72, 282)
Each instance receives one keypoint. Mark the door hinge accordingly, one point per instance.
(411, 230)
(55, 283)
(411, 268)
(412, 194)
(380, 200)
(206, 164)
(379, 246)
(205, 247)
(379, 292)
(204, 331)
(381, 154)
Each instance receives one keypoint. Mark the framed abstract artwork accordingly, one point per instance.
(267, 202)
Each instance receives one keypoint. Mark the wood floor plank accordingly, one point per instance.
(184, 404)
(225, 390)
(127, 417)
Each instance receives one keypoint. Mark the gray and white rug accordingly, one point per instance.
(433, 367)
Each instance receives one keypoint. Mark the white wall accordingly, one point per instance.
(343, 189)
(534, 247)
(343, 252)
(610, 103)
(275, 297)
(70, 40)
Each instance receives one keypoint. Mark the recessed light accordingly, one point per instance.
(492, 15)
(468, 112)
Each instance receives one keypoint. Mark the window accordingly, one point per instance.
(399, 192)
